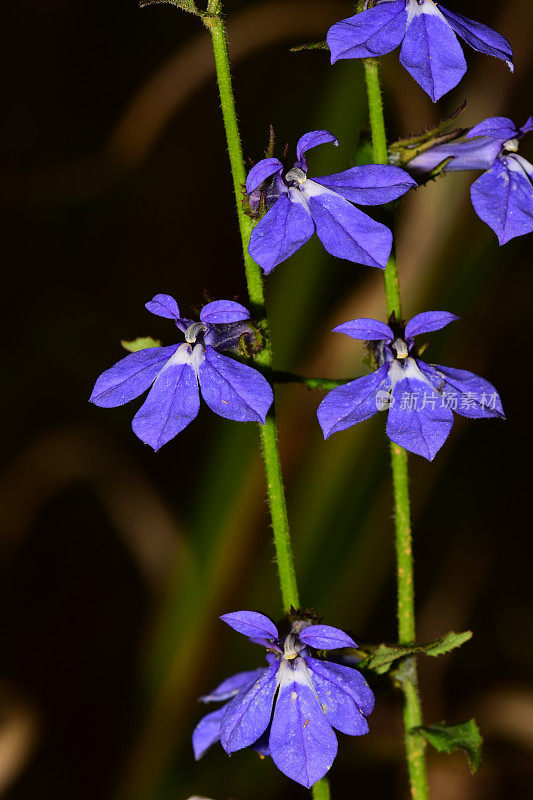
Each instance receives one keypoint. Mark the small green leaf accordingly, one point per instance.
(465, 736)
(364, 153)
(383, 656)
(141, 343)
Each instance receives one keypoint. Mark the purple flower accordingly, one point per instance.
(427, 32)
(503, 195)
(419, 397)
(298, 206)
(288, 709)
(230, 389)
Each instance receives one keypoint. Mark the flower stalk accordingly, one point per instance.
(412, 708)
(214, 22)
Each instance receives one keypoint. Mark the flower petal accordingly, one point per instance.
(499, 128)
(428, 321)
(234, 390)
(345, 231)
(282, 231)
(503, 198)
(480, 37)
(373, 32)
(366, 329)
(302, 742)
(163, 305)
(172, 403)
(229, 688)
(527, 126)
(335, 697)
(417, 419)
(221, 311)
(369, 185)
(248, 714)
(354, 402)
(478, 153)
(477, 397)
(325, 637)
(130, 377)
(314, 139)
(251, 623)
(261, 171)
(431, 53)
(207, 732)
(348, 679)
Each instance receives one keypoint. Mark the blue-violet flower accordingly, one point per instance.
(230, 389)
(427, 32)
(419, 397)
(287, 710)
(503, 195)
(298, 206)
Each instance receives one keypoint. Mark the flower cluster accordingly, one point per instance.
(427, 33)
(419, 397)
(503, 195)
(288, 709)
(230, 389)
(298, 206)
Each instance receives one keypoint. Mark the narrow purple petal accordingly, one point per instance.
(499, 128)
(325, 637)
(221, 311)
(478, 153)
(366, 329)
(527, 126)
(251, 623)
(369, 185)
(431, 53)
(466, 393)
(282, 231)
(172, 403)
(503, 198)
(163, 305)
(207, 732)
(229, 688)
(352, 682)
(302, 742)
(261, 171)
(428, 321)
(234, 390)
(418, 420)
(314, 139)
(373, 32)
(354, 402)
(248, 714)
(480, 37)
(345, 231)
(130, 377)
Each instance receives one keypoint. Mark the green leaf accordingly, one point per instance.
(383, 656)
(141, 343)
(465, 736)
(364, 153)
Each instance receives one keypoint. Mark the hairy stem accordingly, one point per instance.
(269, 439)
(321, 790)
(412, 709)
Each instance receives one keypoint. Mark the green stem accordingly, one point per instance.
(412, 709)
(321, 790)
(269, 439)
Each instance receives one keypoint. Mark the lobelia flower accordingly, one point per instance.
(503, 196)
(419, 396)
(298, 206)
(230, 389)
(287, 710)
(427, 33)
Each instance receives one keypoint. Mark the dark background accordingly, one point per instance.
(116, 562)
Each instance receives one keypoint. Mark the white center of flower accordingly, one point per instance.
(400, 348)
(511, 145)
(191, 334)
(295, 177)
